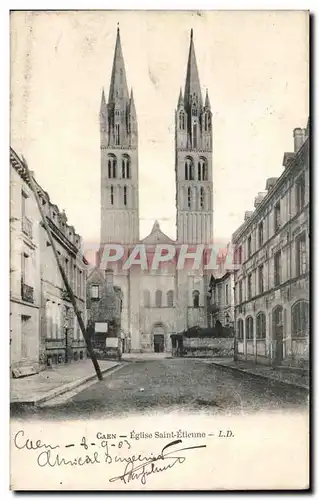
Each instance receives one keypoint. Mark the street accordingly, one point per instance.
(166, 385)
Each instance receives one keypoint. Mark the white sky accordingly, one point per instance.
(254, 64)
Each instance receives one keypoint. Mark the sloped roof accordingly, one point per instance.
(156, 236)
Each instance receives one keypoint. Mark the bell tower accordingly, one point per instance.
(193, 160)
(119, 158)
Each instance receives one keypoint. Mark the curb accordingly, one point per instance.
(264, 377)
(62, 389)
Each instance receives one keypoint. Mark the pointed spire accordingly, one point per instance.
(180, 99)
(156, 226)
(132, 104)
(207, 101)
(192, 85)
(118, 86)
(103, 102)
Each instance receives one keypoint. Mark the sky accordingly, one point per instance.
(253, 63)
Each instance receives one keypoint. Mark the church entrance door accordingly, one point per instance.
(159, 338)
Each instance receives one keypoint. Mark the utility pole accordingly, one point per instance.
(64, 277)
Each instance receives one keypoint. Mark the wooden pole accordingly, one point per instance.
(64, 277)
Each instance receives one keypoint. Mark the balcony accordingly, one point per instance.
(27, 293)
(27, 227)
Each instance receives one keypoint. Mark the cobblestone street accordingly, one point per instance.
(167, 385)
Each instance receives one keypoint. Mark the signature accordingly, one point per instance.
(154, 464)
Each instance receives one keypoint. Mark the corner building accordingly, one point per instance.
(157, 303)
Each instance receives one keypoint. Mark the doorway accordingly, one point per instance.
(277, 328)
(159, 338)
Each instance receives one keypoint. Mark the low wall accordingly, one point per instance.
(208, 347)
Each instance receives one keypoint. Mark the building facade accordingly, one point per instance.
(222, 300)
(51, 334)
(157, 303)
(272, 254)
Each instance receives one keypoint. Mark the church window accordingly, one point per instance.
(196, 299)
(202, 170)
(147, 298)
(125, 195)
(182, 121)
(194, 138)
(170, 298)
(202, 197)
(189, 169)
(126, 167)
(189, 197)
(158, 298)
(117, 134)
(112, 195)
(111, 167)
(205, 122)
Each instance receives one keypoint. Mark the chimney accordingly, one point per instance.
(248, 214)
(109, 280)
(271, 182)
(299, 138)
(259, 198)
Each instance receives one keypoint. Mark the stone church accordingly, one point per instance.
(168, 300)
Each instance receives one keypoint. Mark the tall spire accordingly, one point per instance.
(103, 102)
(180, 99)
(132, 104)
(118, 86)
(207, 101)
(192, 85)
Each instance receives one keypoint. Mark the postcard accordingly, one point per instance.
(159, 254)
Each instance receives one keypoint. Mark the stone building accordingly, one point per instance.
(222, 300)
(272, 253)
(158, 303)
(25, 280)
(44, 328)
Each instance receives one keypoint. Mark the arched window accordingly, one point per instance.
(249, 328)
(182, 121)
(240, 329)
(170, 298)
(205, 122)
(202, 197)
(202, 170)
(126, 167)
(117, 134)
(147, 298)
(125, 195)
(261, 326)
(111, 163)
(189, 169)
(300, 319)
(194, 135)
(196, 298)
(158, 298)
(189, 197)
(112, 195)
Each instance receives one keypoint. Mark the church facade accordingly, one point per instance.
(160, 302)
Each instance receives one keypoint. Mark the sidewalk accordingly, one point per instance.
(53, 382)
(290, 377)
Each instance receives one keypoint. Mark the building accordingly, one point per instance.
(44, 328)
(25, 279)
(222, 300)
(158, 303)
(272, 281)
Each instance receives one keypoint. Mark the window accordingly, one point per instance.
(261, 279)
(126, 168)
(117, 134)
(125, 195)
(189, 169)
(226, 294)
(240, 292)
(24, 198)
(249, 246)
(260, 234)
(112, 195)
(202, 197)
(189, 197)
(277, 266)
(111, 164)
(301, 255)
(202, 170)
(238, 255)
(95, 292)
(240, 329)
(24, 266)
(158, 298)
(249, 285)
(249, 328)
(261, 326)
(170, 298)
(194, 135)
(300, 319)
(205, 122)
(277, 221)
(196, 299)
(147, 298)
(300, 192)
(182, 121)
